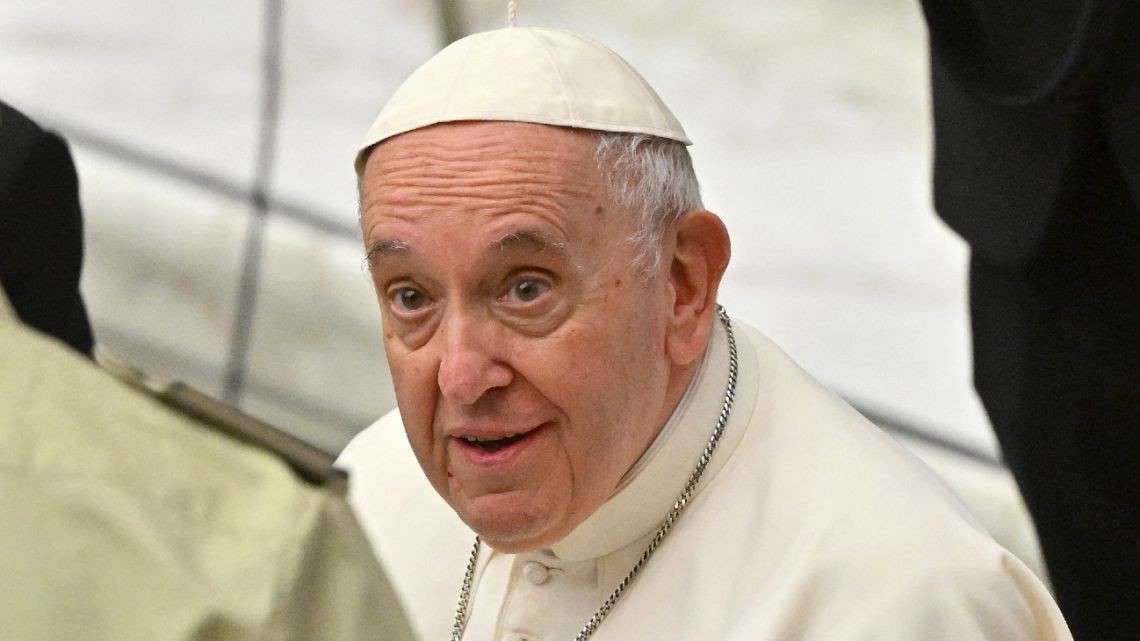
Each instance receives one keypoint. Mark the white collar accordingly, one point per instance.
(647, 493)
(663, 435)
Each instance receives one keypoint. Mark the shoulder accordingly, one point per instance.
(965, 599)
(38, 183)
(114, 424)
(986, 594)
(195, 519)
(803, 431)
(168, 455)
(390, 493)
(26, 146)
(386, 432)
(379, 458)
(17, 129)
(867, 536)
(406, 521)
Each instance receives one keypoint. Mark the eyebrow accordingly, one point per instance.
(535, 241)
(528, 239)
(385, 247)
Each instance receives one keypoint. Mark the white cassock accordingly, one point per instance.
(810, 524)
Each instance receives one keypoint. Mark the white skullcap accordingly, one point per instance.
(526, 75)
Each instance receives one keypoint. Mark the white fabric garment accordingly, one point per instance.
(810, 524)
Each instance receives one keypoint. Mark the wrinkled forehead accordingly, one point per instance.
(486, 157)
(488, 191)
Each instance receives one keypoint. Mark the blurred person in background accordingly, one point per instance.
(1037, 166)
(41, 231)
(138, 510)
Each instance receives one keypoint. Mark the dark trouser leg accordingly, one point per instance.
(1057, 365)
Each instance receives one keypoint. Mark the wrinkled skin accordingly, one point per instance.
(512, 316)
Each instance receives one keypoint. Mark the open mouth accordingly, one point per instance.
(494, 445)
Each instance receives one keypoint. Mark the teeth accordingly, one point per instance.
(477, 439)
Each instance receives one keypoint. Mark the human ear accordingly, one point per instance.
(700, 253)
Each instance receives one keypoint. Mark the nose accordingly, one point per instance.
(470, 365)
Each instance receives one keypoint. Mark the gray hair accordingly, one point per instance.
(652, 176)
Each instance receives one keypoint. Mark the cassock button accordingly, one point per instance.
(536, 572)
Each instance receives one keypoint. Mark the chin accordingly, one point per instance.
(512, 544)
(505, 526)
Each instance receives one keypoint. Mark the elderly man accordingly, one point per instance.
(635, 464)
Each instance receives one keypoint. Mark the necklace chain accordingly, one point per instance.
(461, 610)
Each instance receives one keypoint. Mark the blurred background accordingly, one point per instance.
(214, 143)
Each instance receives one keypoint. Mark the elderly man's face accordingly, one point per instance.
(528, 356)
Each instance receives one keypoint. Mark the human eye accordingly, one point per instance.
(407, 300)
(533, 301)
(528, 293)
(527, 290)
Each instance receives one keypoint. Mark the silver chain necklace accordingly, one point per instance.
(461, 612)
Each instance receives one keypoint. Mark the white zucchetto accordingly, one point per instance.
(519, 74)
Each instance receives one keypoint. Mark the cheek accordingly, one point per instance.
(631, 374)
(407, 367)
(588, 378)
(415, 385)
